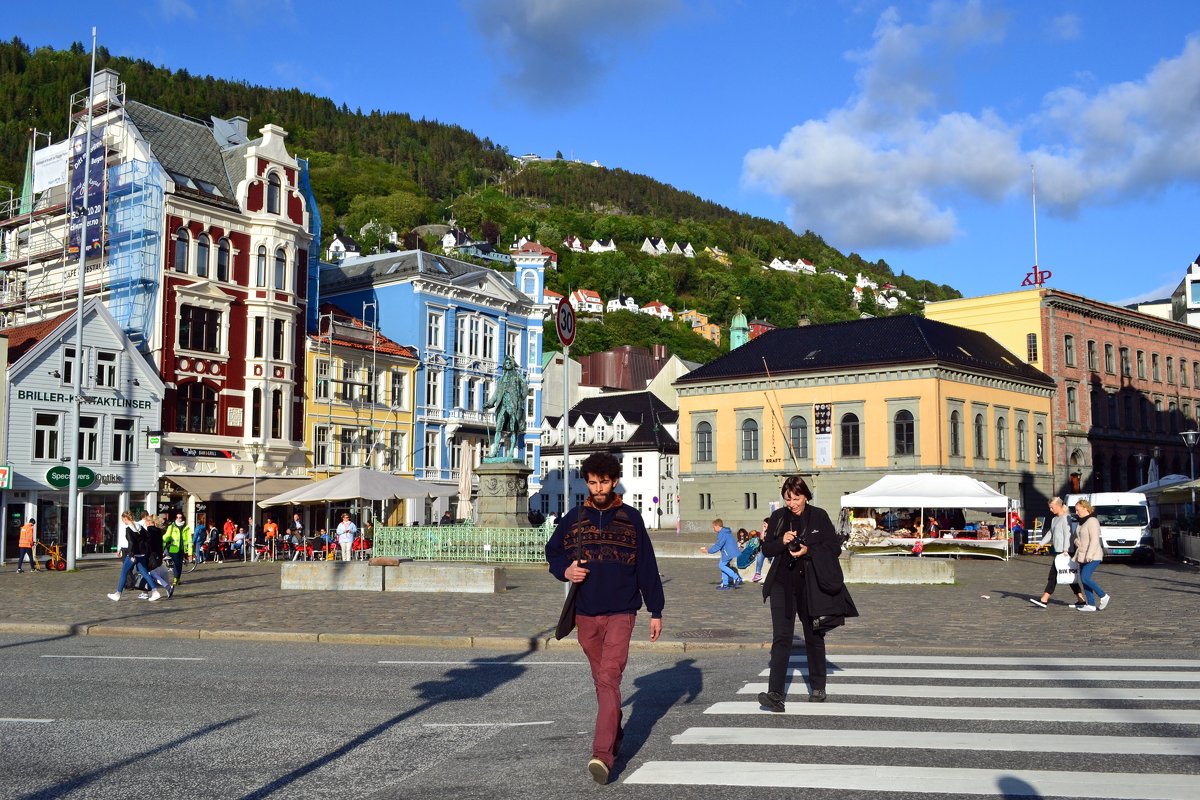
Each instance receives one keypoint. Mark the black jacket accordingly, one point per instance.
(819, 535)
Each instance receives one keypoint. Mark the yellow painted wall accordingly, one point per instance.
(1008, 318)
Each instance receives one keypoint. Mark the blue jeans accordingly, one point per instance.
(130, 563)
(1091, 589)
(728, 574)
(26, 551)
(758, 565)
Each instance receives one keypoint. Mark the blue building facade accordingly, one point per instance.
(463, 319)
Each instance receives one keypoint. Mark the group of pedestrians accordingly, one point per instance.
(1081, 543)
(603, 548)
(145, 545)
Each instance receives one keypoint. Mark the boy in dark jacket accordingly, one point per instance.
(603, 547)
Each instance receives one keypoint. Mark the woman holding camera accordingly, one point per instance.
(802, 541)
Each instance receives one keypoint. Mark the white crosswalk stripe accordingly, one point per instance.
(1118, 698)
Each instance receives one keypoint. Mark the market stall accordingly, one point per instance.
(872, 535)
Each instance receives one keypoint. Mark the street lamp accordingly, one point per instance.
(255, 449)
(1190, 438)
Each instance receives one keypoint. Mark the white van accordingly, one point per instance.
(1124, 523)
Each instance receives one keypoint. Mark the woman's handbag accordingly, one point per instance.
(827, 623)
(1066, 568)
(566, 618)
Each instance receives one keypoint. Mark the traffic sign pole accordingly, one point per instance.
(564, 323)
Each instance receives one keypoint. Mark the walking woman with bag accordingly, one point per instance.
(135, 556)
(1088, 555)
(805, 580)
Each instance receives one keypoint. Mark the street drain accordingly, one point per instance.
(710, 633)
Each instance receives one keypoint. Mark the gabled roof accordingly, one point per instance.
(346, 239)
(884, 341)
(539, 249)
(604, 242)
(588, 294)
(186, 148)
(644, 409)
(345, 338)
(23, 337)
(657, 304)
(382, 268)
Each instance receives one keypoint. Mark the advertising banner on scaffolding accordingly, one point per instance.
(50, 166)
(93, 207)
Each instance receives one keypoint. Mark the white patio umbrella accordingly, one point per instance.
(466, 457)
(360, 483)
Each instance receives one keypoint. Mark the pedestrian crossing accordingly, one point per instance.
(1122, 729)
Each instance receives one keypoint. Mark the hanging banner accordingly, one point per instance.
(93, 208)
(50, 166)
(823, 434)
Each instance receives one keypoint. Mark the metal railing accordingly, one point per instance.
(463, 543)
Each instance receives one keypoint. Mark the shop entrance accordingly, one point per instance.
(15, 518)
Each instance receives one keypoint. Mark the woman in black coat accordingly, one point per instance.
(805, 580)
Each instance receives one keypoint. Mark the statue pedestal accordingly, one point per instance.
(503, 497)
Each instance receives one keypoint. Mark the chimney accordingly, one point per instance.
(242, 126)
(106, 88)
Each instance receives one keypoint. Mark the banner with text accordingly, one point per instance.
(93, 206)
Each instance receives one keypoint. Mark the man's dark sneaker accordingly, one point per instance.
(771, 701)
(1037, 602)
(598, 770)
(738, 583)
(724, 588)
(1077, 606)
(817, 696)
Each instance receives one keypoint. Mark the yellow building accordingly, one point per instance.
(359, 401)
(846, 403)
(701, 326)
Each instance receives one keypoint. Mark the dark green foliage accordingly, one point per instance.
(397, 172)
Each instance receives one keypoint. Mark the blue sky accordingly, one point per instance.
(904, 131)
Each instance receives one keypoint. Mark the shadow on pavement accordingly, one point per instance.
(480, 678)
(654, 695)
(79, 781)
(1011, 787)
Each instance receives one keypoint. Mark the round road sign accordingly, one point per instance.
(564, 321)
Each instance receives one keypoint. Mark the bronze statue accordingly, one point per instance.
(508, 398)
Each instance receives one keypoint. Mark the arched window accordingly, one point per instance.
(851, 447)
(202, 256)
(277, 414)
(1002, 439)
(980, 441)
(750, 440)
(798, 433)
(704, 451)
(1022, 444)
(182, 242)
(529, 283)
(196, 408)
(273, 188)
(223, 260)
(955, 433)
(280, 269)
(905, 431)
(261, 276)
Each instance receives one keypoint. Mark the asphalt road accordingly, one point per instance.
(89, 717)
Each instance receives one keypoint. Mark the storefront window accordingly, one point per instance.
(100, 520)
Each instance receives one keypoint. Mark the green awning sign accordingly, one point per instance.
(60, 477)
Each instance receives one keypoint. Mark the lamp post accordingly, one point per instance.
(255, 449)
(1190, 438)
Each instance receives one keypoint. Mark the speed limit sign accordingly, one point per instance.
(564, 321)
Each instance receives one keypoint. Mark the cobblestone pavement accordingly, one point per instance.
(1153, 609)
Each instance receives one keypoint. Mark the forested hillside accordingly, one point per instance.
(398, 172)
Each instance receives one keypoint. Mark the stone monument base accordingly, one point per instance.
(503, 498)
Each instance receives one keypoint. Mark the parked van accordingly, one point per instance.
(1125, 523)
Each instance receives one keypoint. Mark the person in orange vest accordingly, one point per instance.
(270, 531)
(26, 544)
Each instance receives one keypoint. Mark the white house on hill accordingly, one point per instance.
(686, 250)
(586, 301)
(657, 309)
(654, 246)
(602, 246)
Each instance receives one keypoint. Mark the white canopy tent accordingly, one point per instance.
(928, 490)
(360, 483)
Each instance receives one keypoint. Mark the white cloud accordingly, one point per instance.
(556, 50)
(1066, 27)
(176, 9)
(888, 167)
(1158, 293)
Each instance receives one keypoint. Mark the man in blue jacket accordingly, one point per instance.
(727, 546)
(603, 547)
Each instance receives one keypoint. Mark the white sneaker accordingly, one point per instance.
(156, 596)
(143, 596)
(1104, 601)
(114, 596)
(1086, 608)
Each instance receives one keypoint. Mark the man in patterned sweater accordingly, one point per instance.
(603, 546)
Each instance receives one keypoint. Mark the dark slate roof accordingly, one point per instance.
(347, 240)
(235, 161)
(187, 148)
(885, 341)
(644, 409)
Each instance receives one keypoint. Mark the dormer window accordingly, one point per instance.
(620, 432)
(273, 191)
(601, 431)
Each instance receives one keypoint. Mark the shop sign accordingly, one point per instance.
(153, 441)
(60, 477)
(109, 478)
(198, 452)
(6, 473)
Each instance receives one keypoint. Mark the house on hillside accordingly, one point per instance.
(701, 326)
(887, 301)
(586, 301)
(518, 243)
(602, 246)
(686, 250)
(341, 248)
(552, 297)
(486, 252)
(621, 302)
(658, 309)
(454, 239)
(654, 246)
(865, 281)
(717, 254)
(781, 264)
(758, 327)
(841, 276)
(538, 249)
(575, 244)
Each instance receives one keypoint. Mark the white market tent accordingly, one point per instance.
(927, 490)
